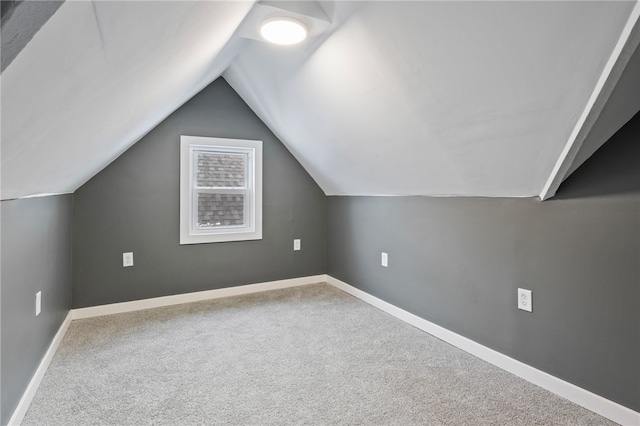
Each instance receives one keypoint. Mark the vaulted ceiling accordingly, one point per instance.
(386, 98)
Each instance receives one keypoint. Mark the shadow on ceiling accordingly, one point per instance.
(614, 169)
(20, 21)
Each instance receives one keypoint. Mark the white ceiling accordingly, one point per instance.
(98, 76)
(395, 98)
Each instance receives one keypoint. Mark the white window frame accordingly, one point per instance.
(189, 233)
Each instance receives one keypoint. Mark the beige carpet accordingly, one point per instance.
(305, 355)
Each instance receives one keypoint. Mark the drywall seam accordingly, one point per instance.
(34, 383)
(157, 302)
(599, 405)
(611, 73)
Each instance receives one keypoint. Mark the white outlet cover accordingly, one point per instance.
(127, 259)
(525, 300)
(384, 260)
(296, 244)
(38, 303)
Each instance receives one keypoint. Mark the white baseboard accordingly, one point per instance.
(602, 406)
(137, 305)
(30, 392)
(582, 397)
(157, 302)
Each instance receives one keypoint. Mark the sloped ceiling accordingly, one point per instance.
(395, 98)
(436, 98)
(97, 77)
(621, 106)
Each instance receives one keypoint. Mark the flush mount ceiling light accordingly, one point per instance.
(283, 31)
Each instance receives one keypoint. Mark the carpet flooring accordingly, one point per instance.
(304, 355)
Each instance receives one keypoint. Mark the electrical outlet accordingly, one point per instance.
(525, 301)
(384, 260)
(296, 244)
(127, 259)
(38, 303)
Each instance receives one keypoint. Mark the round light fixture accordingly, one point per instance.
(283, 31)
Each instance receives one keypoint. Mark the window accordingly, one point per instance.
(220, 190)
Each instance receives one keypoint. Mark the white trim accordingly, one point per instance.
(606, 408)
(96, 311)
(44, 194)
(596, 102)
(602, 406)
(157, 302)
(30, 392)
(253, 205)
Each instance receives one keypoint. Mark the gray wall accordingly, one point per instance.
(36, 256)
(133, 205)
(458, 262)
